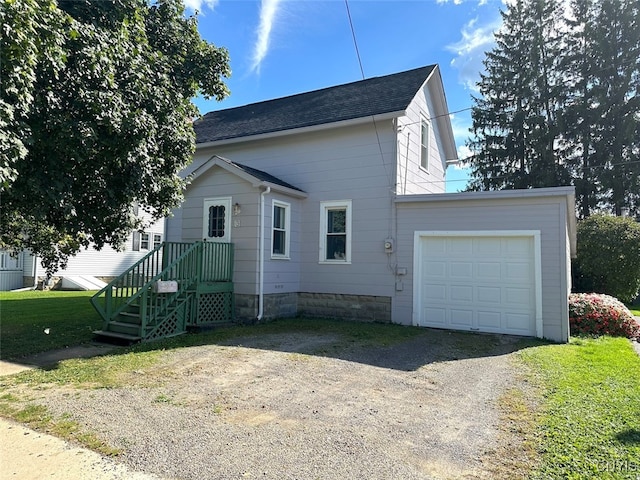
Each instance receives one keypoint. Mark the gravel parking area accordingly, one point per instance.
(308, 406)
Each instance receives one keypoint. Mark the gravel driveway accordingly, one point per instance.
(308, 406)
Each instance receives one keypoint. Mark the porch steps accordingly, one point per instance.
(116, 337)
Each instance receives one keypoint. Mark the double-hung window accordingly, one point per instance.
(144, 241)
(280, 232)
(335, 232)
(424, 144)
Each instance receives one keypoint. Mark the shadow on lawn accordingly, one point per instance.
(381, 345)
(629, 437)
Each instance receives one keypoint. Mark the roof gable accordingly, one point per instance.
(365, 98)
(257, 178)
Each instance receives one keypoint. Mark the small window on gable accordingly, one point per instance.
(335, 232)
(280, 234)
(424, 144)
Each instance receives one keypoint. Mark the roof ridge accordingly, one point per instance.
(355, 82)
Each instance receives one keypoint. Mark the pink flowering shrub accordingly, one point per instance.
(598, 314)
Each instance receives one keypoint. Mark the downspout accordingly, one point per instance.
(261, 257)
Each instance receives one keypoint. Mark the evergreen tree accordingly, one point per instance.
(515, 124)
(560, 103)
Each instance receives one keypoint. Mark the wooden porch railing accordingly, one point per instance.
(188, 264)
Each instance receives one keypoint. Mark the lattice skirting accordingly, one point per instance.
(215, 308)
(174, 324)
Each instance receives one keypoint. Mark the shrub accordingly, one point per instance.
(608, 256)
(597, 314)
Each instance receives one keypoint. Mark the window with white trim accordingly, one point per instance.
(424, 144)
(280, 231)
(335, 232)
(142, 241)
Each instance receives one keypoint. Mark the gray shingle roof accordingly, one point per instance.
(264, 176)
(374, 96)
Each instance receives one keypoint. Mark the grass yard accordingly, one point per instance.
(589, 423)
(635, 309)
(24, 317)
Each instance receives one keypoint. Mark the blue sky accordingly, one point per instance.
(283, 47)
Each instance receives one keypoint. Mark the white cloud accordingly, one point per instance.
(200, 5)
(470, 49)
(268, 11)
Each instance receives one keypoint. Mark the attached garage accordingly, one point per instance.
(480, 281)
(496, 262)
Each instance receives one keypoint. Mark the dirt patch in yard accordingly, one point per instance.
(306, 406)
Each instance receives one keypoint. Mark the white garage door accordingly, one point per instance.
(478, 283)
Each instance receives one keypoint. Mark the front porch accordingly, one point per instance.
(175, 287)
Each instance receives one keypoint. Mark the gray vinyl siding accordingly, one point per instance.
(546, 214)
(244, 227)
(412, 179)
(282, 275)
(336, 164)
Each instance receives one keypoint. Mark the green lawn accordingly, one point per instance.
(589, 422)
(24, 317)
(635, 309)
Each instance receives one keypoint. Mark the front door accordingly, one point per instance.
(216, 221)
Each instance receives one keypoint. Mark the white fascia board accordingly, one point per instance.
(442, 116)
(285, 190)
(226, 164)
(489, 195)
(313, 128)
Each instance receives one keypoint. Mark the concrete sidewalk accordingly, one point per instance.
(29, 455)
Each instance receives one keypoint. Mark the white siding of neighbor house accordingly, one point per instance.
(547, 214)
(336, 164)
(412, 178)
(107, 262)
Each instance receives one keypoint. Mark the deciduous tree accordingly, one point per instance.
(103, 121)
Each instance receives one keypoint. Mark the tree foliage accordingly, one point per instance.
(98, 101)
(608, 256)
(559, 103)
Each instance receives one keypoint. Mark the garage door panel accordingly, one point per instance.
(461, 318)
(518, 271)
(435, 269)
(517, 247)
(482, 282)
(461, 293)
(437, 292)
(489, 320)
(459, 246)
(489, 295)
(488, 270)
(435, 317)
(517, 296)
(459, 270)
(518, 322)
(486, 246)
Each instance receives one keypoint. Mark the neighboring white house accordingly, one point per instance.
(27, 271)
(334, 200)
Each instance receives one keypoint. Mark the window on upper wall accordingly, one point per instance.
(424, 144)
(281, 227)
(335, 232)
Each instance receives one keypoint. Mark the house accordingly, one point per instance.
(335, 203)
(88, 270)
